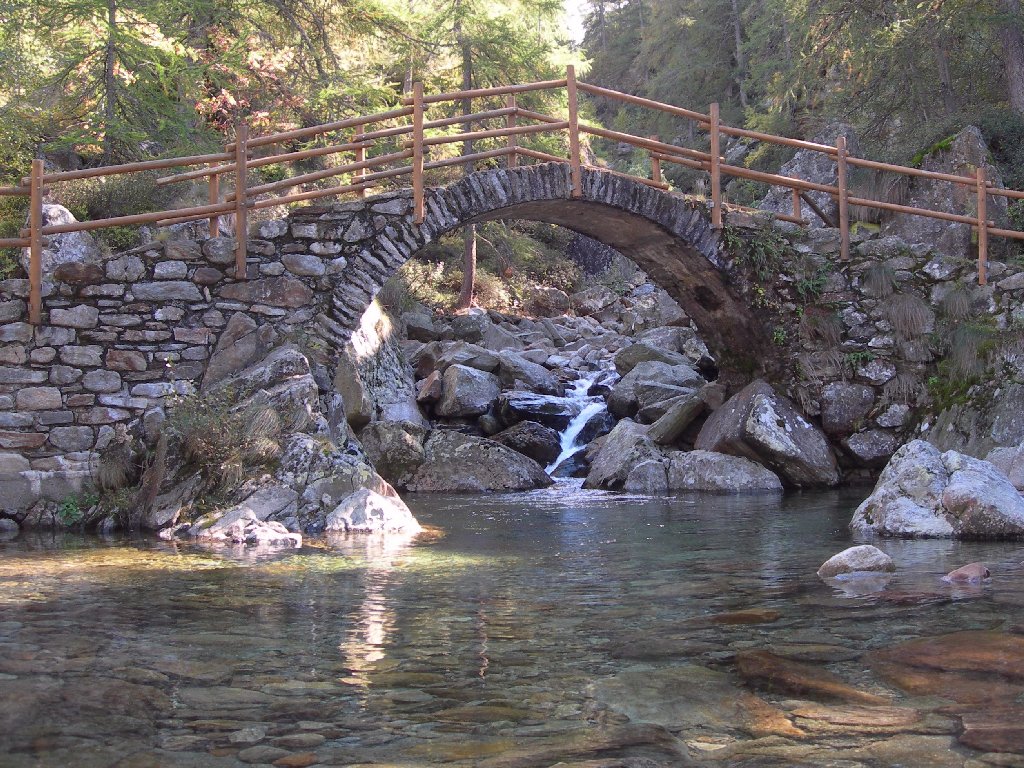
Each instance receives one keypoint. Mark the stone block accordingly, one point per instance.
(82, 356)
(21, 440)
(64, 374)
(13, 355)
(182, 250)
(275, 291)
(220, 250)
(78, 273)
(15, 420)
(43, 355)
(303, 264)
(126, 269)
(307, 231)
(103, 415)
(193, 335)
(207, 276)
(169, 314)
(13, 463)
(72, 438)
(170, 270)
(119, 320)
(49, 418)
(18, 332)
(272, 229)
(104, 291)
(11, 375)
(50, 335)
(82, 316)
(272, 269)
(80, 401)
(12, 310)
(169, 290)
(38, 399)
(126, 360)
(102, 381)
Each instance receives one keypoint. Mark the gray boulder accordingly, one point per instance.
(627, 446)
(531, 439)
(554, 412)
(457, 463)
(719, 473)
(763, 426)
(70, 247)
(624, 401)
(395, 448)
(466, 392)
(515, 370)
(845, 407)
(627, 358)
(1009, 461)
(649, 478)
(366, 511)
(924, 493)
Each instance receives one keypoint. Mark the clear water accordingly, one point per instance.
(506, 639)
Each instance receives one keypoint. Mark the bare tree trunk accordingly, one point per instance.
(110, 83)
(949, 100)
(1013, 51)
(469, 232)
(741, 65)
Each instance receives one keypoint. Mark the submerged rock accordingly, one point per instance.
(531, 439)
(972, 573)
(463, 463)
(864, 558)
(759, 424)
(922, 493)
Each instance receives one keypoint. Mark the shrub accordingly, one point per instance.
(956, 304)
(819, 326)
(223, 440)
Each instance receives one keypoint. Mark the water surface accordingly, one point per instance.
(532, 629)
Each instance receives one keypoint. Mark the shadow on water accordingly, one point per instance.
(535, 628)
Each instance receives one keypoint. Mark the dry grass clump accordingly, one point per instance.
(222, 441)
(958, 302)
(879, 280)
(819, 326)
(908, 315)
(967, 347)
(904, 387)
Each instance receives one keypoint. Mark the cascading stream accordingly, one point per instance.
(589, 408)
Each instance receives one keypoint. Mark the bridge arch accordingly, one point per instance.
(669, 237)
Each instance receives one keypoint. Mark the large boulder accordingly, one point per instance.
(366, 511)
(516, 371)
(624, 400)
(531, 439)
(554, 412)
(763, 426)
(466, 392)
(845, 406)
(627, 446)
(627, 358)
(395, 448)
(68, 248)
(925, 493)
(1009, 461)
(862, 559)
(719, 473)
(964, 154)
(812, 166)
(466, 464)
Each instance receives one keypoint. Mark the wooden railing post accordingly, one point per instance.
(716, 172)
(214, 200)
(510, 123)
(982, 227)
(241, 200)
(417, 154)
(575, 174)
(35, 240)
(655, 163)
(357, 176)
(797, 210)
(844, 193)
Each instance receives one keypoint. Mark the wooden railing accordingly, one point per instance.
(379, 143)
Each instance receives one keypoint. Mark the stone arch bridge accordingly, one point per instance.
(119, 334)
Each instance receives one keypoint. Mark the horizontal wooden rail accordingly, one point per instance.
(145, 165)
(650, 144)
(14, 242)
(544, 157)
(139, 218)
(457, 120)
(647, 182)
(597, 90)
(326, 173)
(501, 90)
(520, 130)
(316, 130)
(781, 140)
(907, 171)
(14, 191)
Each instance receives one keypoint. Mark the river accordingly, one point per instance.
(525, 630)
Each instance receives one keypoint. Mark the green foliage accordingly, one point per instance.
(859, 357)
(779, 336)
(761, 250)
(72, 510)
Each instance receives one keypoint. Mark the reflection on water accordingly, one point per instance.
(554, 626)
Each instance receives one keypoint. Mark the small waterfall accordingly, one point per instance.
(589, 407)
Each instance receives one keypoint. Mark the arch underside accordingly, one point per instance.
(699, 286)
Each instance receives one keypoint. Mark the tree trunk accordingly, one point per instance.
(1013, 52)
(469, 232)
(949, 100)
(110, 83)
(741, 66)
